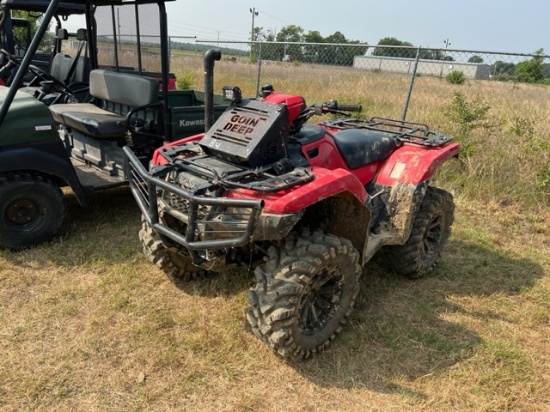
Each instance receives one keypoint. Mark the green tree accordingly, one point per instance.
(502, 70)
(291, 34)
(34, 19)
(530, 71)
(314, 53)
(269, 52)
(435, 54)
(408, 51)
(475, 59)
(258, 35)
(334, 54)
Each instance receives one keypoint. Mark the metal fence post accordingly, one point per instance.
(411, 85)
(259, 69)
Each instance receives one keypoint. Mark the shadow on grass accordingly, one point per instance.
(106, 229)
(405, 329)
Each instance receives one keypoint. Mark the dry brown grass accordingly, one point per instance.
(88, 324)
(504, 166)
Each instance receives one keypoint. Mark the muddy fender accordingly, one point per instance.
(414, 164)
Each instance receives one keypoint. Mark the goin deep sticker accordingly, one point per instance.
(242, 124)
(40, 128)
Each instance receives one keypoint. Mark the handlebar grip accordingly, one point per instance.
(350, 107)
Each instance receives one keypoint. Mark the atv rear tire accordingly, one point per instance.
(431, 229)
(176, 267)
(304, 294)
(32, 210)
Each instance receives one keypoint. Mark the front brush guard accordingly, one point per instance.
(146, 189)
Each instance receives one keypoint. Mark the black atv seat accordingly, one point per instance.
(310, 133)
(116, 96)
(360, 147)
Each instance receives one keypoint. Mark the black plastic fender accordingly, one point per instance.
(46, 157)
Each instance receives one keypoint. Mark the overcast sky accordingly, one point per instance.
(505, 25)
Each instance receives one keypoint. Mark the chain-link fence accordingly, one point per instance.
(496, 104)
(407, 75)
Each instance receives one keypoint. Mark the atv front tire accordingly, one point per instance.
(304, 294)
(176, 267)
(431, 229)
(32, 210)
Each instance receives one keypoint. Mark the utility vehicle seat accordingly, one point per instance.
(116, 96)
(72, 71)
(61, 64)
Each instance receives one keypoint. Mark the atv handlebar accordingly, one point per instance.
(333, 106)
(323, 108)
(350, 107)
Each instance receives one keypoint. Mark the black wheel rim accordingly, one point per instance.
(320, 300)
(23, 212)
(432, 237)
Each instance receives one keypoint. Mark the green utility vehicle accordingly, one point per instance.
(79, 145)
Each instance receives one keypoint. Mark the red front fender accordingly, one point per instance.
(327, 183)
(414, 164)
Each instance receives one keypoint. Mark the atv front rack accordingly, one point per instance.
(411, 132)
(204, 222)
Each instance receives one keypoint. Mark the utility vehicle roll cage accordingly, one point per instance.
(16, 32)
(90, 7)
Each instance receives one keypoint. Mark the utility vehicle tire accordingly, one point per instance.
(431, 229)
(304, 294)
(32, 210)
(176, 267)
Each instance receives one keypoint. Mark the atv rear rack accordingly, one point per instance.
(410, 132)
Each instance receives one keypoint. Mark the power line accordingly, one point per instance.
(274, 18)
(191, 28)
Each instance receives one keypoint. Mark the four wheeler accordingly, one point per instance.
(79, 145)
(304, 205)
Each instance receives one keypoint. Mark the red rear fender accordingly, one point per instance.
(414, 164)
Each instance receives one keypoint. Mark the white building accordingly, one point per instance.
(425, 67)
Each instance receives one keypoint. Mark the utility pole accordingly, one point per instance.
(254, 13)
(447, 43)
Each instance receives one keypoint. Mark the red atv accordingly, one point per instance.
(306, 205)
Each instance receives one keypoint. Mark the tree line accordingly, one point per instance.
(316, 52)
(336, 49)
(533, 70)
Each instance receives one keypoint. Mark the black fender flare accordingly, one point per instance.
(48, 158)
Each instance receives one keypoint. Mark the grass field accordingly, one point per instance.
(90, 325)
